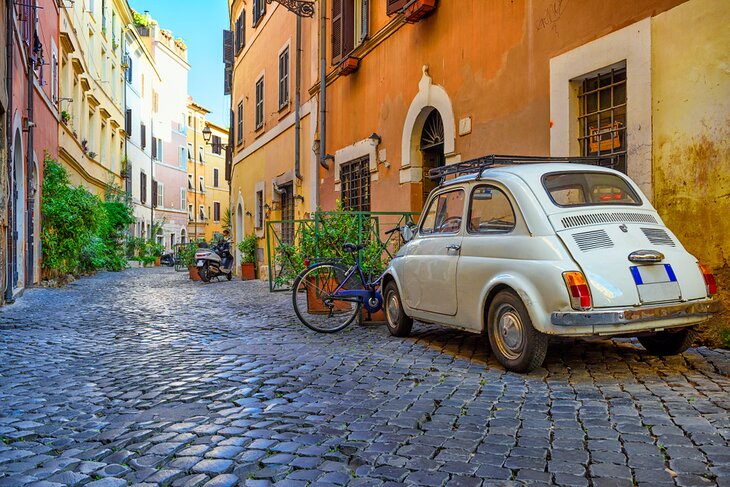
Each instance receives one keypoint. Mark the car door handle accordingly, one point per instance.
(454, 247)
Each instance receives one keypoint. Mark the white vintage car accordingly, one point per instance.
(528, 248)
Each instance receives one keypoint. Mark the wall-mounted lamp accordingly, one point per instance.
(267, 207)
(299, 197)
(207, 134)
(248, 213)
(375, 138)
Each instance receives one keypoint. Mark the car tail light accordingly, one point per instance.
(710, 282)
(580, 295)
(197, 256)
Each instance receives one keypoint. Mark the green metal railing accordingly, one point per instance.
(322, 236)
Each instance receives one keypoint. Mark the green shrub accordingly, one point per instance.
(247, 247)
(81, 233)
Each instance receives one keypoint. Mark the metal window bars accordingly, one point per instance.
(476, 166)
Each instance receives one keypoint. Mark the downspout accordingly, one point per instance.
(322, 86)
(297, 101)
(9, 133)
(127, 186)
(29, 157)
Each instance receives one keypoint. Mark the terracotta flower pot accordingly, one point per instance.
(315, 305)
(378, 317)
(248, 271)
(157, 262)
(193, 272)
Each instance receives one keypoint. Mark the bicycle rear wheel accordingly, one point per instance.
(314, 304)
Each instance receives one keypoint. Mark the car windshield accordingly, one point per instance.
(589, 189)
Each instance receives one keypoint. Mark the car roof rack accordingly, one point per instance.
(481, 163)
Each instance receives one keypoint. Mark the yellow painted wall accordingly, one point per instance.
(691, 123)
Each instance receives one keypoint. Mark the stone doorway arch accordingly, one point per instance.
(429, 99)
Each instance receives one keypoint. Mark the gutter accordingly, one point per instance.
(9, 258)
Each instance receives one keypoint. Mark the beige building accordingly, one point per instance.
(208, 190)
(91, 137)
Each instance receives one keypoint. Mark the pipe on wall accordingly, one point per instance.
(297, 101)
(322, 84)
(9, 133)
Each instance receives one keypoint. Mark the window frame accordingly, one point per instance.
(506, 194)
(239, 138)
(284, 78)
(345, 172)
(259, 112)
(259, 10)
(259, 208)
(428, 208)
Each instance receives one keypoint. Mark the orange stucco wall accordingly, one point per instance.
(491, 57)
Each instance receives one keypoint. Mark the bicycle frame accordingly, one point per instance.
(369, 297)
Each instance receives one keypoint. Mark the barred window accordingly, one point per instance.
(259, 209)
(602, 119)
(355, 183)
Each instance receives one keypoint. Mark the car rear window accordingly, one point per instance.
(589, 189)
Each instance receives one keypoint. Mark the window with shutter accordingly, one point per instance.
(227, 79)
(143, 136)
(240, 123)
(260, 103)
(228, 51)
(128, 125)
(394, 6)
(215, 178)
(284, 78)
(343, 29)
(154, 149)
(142, 188)
(216, 211)
(259, 9)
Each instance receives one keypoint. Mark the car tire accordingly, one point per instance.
(514, 341)
(668, 343)
(399, 324)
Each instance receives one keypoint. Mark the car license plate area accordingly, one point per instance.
(200, 262)
(656, 283)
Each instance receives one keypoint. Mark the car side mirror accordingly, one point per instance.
(408, 232)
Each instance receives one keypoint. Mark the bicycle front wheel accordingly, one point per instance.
(316, 303)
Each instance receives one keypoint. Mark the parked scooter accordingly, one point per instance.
(215, 261)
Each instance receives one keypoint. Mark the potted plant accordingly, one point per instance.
(247, 247)
(187, 259)
(65, 116)
(155, 251)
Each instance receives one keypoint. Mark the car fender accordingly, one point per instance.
(528, 293)
(392, 272)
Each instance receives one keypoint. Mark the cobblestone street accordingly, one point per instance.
(146, 377)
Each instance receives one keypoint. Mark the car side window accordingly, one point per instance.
(490, 211)
(444, 214)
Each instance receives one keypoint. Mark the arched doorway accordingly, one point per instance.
(432, 148)
(183, 236)
(19, 212)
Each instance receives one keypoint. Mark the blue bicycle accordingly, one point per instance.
(328, 296)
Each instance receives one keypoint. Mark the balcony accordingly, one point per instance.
(418, 10)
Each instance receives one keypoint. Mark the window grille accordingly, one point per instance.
(602, 119)
(355, 184)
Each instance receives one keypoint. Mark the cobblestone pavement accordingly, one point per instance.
(133, 378)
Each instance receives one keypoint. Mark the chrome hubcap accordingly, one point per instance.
(393, 308)
(510, 332)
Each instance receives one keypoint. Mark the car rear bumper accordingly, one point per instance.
(650, 316)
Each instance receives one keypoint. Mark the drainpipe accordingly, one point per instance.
(9, 133)
(322, 86)
(29, 157)
(297, 101)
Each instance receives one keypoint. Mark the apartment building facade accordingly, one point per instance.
(32, 117)
(217, 189)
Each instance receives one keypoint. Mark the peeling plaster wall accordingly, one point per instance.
(691, 121)
(691, 105)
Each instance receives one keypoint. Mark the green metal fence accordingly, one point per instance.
(292, 244)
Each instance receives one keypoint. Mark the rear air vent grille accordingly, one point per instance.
(598, 218)
(657, 236)
(595, 239)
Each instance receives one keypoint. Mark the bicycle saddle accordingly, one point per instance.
(350, 247)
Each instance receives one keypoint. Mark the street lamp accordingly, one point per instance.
(207, 134)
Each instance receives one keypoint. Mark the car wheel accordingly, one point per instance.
(514, 341)
(667, 342)
(399, 324)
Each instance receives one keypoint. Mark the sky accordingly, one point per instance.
(200, 23)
